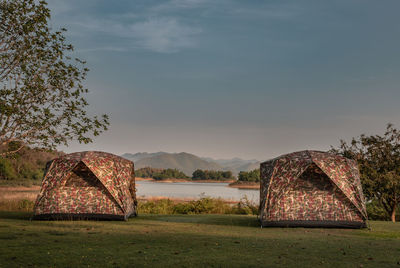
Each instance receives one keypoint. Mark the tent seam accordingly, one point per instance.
(83, 161)
(357, 207)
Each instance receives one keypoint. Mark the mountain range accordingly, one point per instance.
(188, 163)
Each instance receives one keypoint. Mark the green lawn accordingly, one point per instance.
(191, 240)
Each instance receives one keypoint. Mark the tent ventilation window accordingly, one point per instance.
(314, 179)
(81, 176)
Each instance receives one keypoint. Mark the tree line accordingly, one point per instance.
(199, 174)
(212, 175)
(249, 176)
(160, 174)
(25, 166)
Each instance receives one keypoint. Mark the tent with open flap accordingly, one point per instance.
(311, 189)
(87, 185)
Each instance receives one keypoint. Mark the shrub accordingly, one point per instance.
(163, 206)
(246, 207)
(26, 205)
(7, 171)
(376, 211)
(205, 205)
(30, 172)
(17, 205)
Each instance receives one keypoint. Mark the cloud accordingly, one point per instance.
(159, 28)
(69, 7)
(152, 27)
(105, 48)
(281, 11)
(174, 5)
(164, 35)
(58, 7)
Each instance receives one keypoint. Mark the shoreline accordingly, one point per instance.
(15, 194)
(181, 199)
(249, 186)
(182, 180)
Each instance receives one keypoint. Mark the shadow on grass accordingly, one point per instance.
(209, 219)
(14, 215)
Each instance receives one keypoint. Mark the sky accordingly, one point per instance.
(231, 78)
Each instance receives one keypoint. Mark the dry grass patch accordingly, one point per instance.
(18, 193)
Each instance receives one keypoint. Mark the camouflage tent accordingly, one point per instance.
(311, 188)
(87, 185)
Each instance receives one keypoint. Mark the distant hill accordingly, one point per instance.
(236, 164)
(188, 162)
(139, 156)
(184, 162)
(243, 167)
(230, 162)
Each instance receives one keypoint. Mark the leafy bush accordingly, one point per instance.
(205, 205)
(26, 205)
(30, 172)
(16, 205)
(246, 207)
(377, 212)
(162, 206)
(7, 171)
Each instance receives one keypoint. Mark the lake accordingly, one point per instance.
(194, 190)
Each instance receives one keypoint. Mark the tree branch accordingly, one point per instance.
(12, 152)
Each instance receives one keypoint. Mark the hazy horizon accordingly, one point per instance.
(248, 79)
(201, 156)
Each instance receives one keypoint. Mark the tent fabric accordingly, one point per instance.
(311, 188)
(87, 185)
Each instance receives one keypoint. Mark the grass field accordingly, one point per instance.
(191, 240)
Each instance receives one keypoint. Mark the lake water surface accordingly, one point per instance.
(194, 190)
